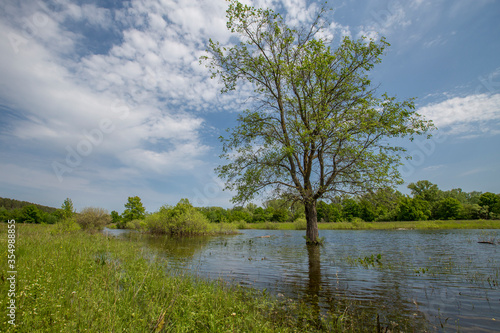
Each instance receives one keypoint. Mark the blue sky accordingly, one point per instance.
(102, 100)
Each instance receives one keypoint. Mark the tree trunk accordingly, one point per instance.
(312, 223)
(314, 287)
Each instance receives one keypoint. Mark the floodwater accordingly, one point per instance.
(441, 280)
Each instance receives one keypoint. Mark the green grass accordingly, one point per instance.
(76, 281)
(359, 225)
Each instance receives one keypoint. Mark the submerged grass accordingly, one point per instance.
(360, 225)
(74, 281)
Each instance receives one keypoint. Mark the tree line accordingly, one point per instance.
(27, 212)
(425, 202)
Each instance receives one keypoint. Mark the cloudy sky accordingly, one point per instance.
(102, 100)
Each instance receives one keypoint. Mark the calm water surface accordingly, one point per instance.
(444, 278)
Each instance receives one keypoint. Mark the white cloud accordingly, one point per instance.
(471, 115)
(150, 73)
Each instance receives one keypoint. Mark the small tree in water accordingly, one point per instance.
(318, 128)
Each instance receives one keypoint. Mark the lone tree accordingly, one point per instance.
(317, 128)
(67, 208)
(134, 210)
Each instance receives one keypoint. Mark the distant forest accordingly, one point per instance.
(27, 212)
(425, 202)
(10, 204)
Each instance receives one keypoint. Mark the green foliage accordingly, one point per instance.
(329, 212)
(134, 210)
(92, 218)
(489, 202)
(471, 212)
(300, 224)
(115, 217)
(222, 229)
(487, 199)
(447, 209)
(413, 209)
(371, 261)
(4, 214)
(425, 190)
(280, 215)
(66, 226)
(67, 209)
(136, 225)
(49, 218)
(239, 214)
(242, 224)
(496, 207)
(31, 214)
(319, 127)
(12, 204)
(77, 281)
(262, 215)
(367, 211)
(215, 214)
(463, 197)
(279, 208)
(180, 220)
(350, 209)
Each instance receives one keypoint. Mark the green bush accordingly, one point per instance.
(92, 218)
(300, 224)
(222, 228)
(136, 225)
(356, 221)
(183, 219)
(66, 225)
(241, 224)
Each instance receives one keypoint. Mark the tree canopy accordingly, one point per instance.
(134, 210)
(317, 126)
(67, 208)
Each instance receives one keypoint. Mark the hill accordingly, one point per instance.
(11, 204)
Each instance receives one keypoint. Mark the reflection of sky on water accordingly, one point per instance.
(454, 284)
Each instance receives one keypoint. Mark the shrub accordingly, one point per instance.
(357, 222)
(183, 219)
(136, 225)
(222, 228)
(300, 224)
(66, 225)
(241, 224)
(31, 214)
(91, 218)
(50, 219)
(269, 226)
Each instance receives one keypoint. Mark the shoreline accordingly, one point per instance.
(399, 225)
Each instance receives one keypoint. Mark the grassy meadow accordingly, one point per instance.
(71, 280)
(361, 225)
(76, 281)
